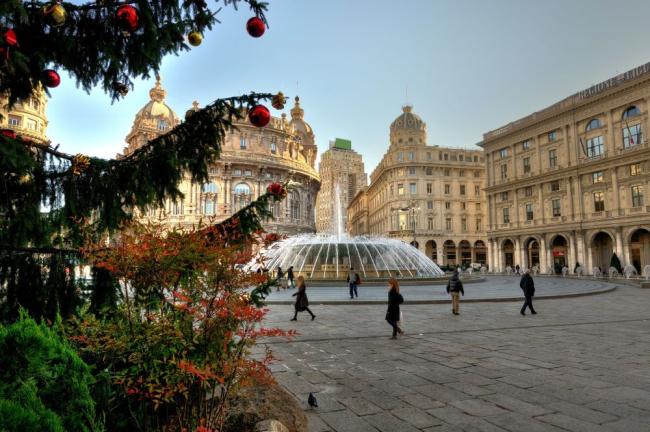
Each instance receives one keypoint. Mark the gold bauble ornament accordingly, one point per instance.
(194, 38)
(80, 163)
(54, 14)
(278, 101)
(26, 178)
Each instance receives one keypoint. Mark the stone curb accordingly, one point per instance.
(446, 301)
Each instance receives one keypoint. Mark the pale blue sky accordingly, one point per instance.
(470, 66)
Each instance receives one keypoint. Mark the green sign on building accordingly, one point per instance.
(343, 144)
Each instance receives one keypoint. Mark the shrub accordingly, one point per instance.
(615, 262)
(44, 385)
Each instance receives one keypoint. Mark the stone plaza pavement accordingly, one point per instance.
(580, 364)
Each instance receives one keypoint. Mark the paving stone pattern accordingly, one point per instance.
(580, 364)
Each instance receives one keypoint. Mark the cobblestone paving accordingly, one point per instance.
(580, 364)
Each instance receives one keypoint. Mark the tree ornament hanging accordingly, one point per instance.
(51, 78)
(278, 101)
(255, 27)
(259, 116)
(128, 18)
(9, 40)
(79, 164)
(54, 15)
(194, 38)
(121, 89)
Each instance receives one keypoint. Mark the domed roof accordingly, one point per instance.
(407, 120)
(157, 108)
(297, 121)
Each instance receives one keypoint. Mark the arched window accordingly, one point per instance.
(631, 111)
(295, 205)
(595, 123)
(242, 196)
(242, 188)
(162, 125)
(209, 188)
(208, 207)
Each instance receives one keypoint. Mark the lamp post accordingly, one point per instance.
(413, 207)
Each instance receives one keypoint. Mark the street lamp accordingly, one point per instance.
(413, 207)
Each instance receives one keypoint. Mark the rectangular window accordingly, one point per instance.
(447, 189)
(506, 215)
(599, 201)
(637, 196)
(478, 206)
(428, 155)
(529, 212)
(447, 173)
(448, 224)
(635, 169)
(213, 171)
(505, 196)
(461, 173)
(400, 189)
(13, 120)
(268, 175)
(32, 124)
(273, 148)
(504, 172)
(462, 189)
(429, 171)
(177, 208)
(632, 136)
(552, 136)
(448, 206)
(247, 172)
(461, 158)
(477, 174)
(411, 156)
(430, 205)
(595, 146)
(411, 171)
(242, 144)
(463, 206)
(477, 190)
(552, 158)
(503, 152)
(412, 188)
(429, 188)
(479, 225)
(236, 172)
(400, 156)
(525, 145)
(528, 191)
(430, 224)
(597, 177)
(556, 208)
(555, 186)
(446, 157)
(476, 158)
(526, 165)
(463, 224)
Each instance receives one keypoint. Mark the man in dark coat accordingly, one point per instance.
(290, 276)
(455, 288)
(528, 286)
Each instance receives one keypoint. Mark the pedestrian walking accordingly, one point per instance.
(290, 276)
(302, 303)
(279, 275)
(528, 286)
(517, 268)
(393, 314)
(455, 289)
(353, 281)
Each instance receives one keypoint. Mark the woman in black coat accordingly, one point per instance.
(393, 313)
(302, 303)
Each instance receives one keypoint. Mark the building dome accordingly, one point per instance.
(407, 120)
(157, 108)
(408, 128)
(298, 124)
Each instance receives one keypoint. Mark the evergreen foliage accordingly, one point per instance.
(44, 386)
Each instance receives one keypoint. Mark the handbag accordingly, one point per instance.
(400, 323)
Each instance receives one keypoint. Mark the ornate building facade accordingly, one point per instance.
(429, 196)
(251, 159)
(567, 184)
(27, 118)
(341, 167)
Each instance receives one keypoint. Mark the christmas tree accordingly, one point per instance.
(105, 43)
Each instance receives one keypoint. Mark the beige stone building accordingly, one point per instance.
(343, 167)
(27, 118)
(251, 159)
(428, 194)
(567, 184)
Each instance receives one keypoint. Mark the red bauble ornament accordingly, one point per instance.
(51, 78)
(128, 18)
(255, 27)
(259, 116)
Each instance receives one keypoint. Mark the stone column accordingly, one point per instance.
(488, 171)
(580, 255)
(617, 201)
(539, 153)
(572, 251)
(541, 202)
(567, 146)
(515, 210)
(619, 247)
(569, 191)
(489, 212)
(518, 253)
(226, 191)
(543, 255)
(578, 183)
(611, 140)
(514, 163)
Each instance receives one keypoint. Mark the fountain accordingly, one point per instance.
(330, 256)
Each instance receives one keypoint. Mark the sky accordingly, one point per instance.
(470, 66)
